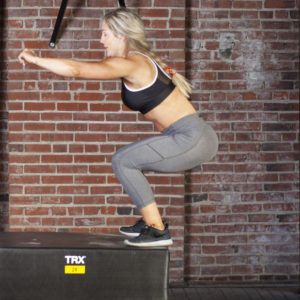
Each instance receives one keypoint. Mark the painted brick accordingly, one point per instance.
(250, 136)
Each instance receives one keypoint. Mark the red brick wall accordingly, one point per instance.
(240, 211)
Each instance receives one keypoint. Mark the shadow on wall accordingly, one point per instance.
(3, 123)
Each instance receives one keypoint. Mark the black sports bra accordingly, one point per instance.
(147, 98)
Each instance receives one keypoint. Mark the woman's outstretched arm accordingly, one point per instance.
(111, 68)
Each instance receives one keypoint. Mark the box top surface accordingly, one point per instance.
(56, 240)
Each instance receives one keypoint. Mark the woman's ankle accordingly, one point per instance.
(157, 226)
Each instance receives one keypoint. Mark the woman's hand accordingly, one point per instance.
(27, 56)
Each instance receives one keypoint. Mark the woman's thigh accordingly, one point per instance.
(170, 153)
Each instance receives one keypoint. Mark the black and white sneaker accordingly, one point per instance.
(135, 230)
(151, 237)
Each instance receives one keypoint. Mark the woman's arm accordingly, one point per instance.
(111, 68)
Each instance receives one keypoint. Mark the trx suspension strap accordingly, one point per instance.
(59, 18)
(122, 3)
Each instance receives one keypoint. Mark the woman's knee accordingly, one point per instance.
(120, 161)
(116, 162)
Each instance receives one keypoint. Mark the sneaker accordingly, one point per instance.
(135, 230)
(151, 237)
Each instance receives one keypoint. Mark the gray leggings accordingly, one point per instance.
(182, 146)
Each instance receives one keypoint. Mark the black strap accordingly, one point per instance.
(59, 18)
(122, 3)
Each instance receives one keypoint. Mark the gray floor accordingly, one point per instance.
(234, 293)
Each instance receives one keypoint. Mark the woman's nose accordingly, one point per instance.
(102, 39)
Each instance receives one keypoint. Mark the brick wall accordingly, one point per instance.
(239, 212)
(242, 209)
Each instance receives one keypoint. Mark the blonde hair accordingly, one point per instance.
(123, 22)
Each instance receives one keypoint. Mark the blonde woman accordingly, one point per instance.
(161, 95)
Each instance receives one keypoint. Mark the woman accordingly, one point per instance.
(161, 95)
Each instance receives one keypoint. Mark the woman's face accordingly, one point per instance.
(113, 44)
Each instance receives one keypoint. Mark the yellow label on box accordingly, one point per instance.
(74, 269)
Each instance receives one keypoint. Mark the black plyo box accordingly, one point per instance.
(71, 266)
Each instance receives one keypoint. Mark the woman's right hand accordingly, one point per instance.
(27, 56)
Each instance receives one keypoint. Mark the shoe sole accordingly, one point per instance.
(130, 234)
(161, 243)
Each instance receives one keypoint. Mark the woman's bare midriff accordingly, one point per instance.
(173, 108)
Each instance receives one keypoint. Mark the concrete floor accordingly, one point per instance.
(234, 293)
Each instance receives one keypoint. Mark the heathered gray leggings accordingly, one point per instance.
(182, 146)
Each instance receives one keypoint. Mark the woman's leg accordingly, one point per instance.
(162, 153)
(175, 150)
(126, 164)
(179, 148)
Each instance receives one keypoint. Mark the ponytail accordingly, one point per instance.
(180, 81)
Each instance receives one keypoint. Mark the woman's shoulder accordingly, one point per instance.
(142, 59)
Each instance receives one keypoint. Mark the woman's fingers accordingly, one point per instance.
(26, 56)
